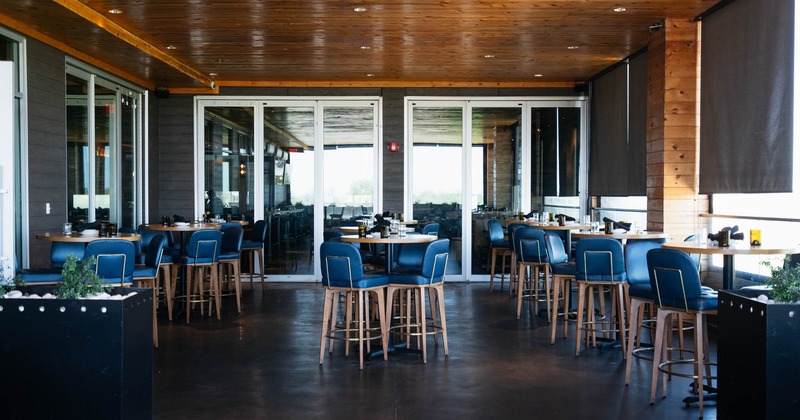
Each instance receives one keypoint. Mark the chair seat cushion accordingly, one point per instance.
(368, 281)
(563, 269)
(501, 244)
(228, 256)
(252, 245)
(410, 279)
(145, 272)
(33, 276)
(707, 301)
(641, 290)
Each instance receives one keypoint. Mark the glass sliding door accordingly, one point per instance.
(436, 172)
(102, 162)
(555, 156)
(289, 187)
(496, 174)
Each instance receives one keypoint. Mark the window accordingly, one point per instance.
(103, 149)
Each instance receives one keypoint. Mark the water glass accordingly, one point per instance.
(67, 229)
(595, 227)
(586, 220)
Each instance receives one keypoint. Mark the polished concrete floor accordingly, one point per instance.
(264, 364)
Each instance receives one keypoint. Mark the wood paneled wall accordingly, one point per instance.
(47, 167)
(673, 130)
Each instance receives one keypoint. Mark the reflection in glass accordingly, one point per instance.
(289, 189)
(77, 150)
(436, 174)
(496, 174)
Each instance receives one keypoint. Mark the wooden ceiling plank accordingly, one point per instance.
(109, 26)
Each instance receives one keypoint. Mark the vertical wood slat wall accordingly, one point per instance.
(673, 142)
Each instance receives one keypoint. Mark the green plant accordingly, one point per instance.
(79, 279)
(785, 281)
(8, 284)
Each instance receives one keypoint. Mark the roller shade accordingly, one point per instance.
(746, 98)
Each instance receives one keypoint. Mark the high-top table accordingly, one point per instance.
(182, 229)
(77, 237)
(737, 247)
(392, 239)
(622, 236)
(567, 228)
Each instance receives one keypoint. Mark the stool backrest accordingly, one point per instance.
(555, 249)
(599, 259)
(115, 259)
(495, 231)
(673, 278)
(155, 250)
(431, 229)
(530, 245)
(259, 232)
(636, 261)
(341, 264)
(232, 239)
(434, 263)
(205, 246)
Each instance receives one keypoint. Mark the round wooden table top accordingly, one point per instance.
(77, 237)
(392, 239)
(738, 247)
(556, 226)
(621, 236)
(191, 227)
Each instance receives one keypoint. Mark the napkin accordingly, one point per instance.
(379, 223)
(618, 225)
(566, 218)
(84, 226)
(735, 234)
(177, 218)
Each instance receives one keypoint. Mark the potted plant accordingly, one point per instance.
(67, 351)
(759, 348)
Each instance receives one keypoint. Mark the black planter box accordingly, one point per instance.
(758, 358)
(77, 358)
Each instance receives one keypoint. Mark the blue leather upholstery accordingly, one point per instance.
(257, 236)
(137, 245)
(204, 248)
(409, 257)
(115, 259)
(559, 260)
(599, 259)
(431, 229)
(496, 236)
(530, 245)
(331, 235)
(229, 225)
(434, 265)
(152, 258)
(231, 242)
(341, 267)
(636, 268)
(676, 283)
(61, 250)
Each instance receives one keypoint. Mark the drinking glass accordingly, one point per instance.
(586, 220)
(67, 229)
(595, 227)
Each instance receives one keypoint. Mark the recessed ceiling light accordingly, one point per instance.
(370, 75)
(172, 47)
(488, 56)
(115, 11)
(365, 47)
(537, 75)
(360, 9)
(212, 74)
(572, 47)
(619, 9)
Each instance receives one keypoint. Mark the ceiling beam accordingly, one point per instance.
(123, 34)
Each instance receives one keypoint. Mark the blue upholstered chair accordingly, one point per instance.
(431, 280)
(600, 263)
(229, 257)
(512, 277)
(563, 272)
(676, 290)
(640, 295)
(115, 259)
(408, 257)
(431, 229)
(61, 250)
(531, 250)
(203, 252)
(137, 245)
(498, 245)
(342, 272)
(229, 225)
(146, 275)
(254, 247)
